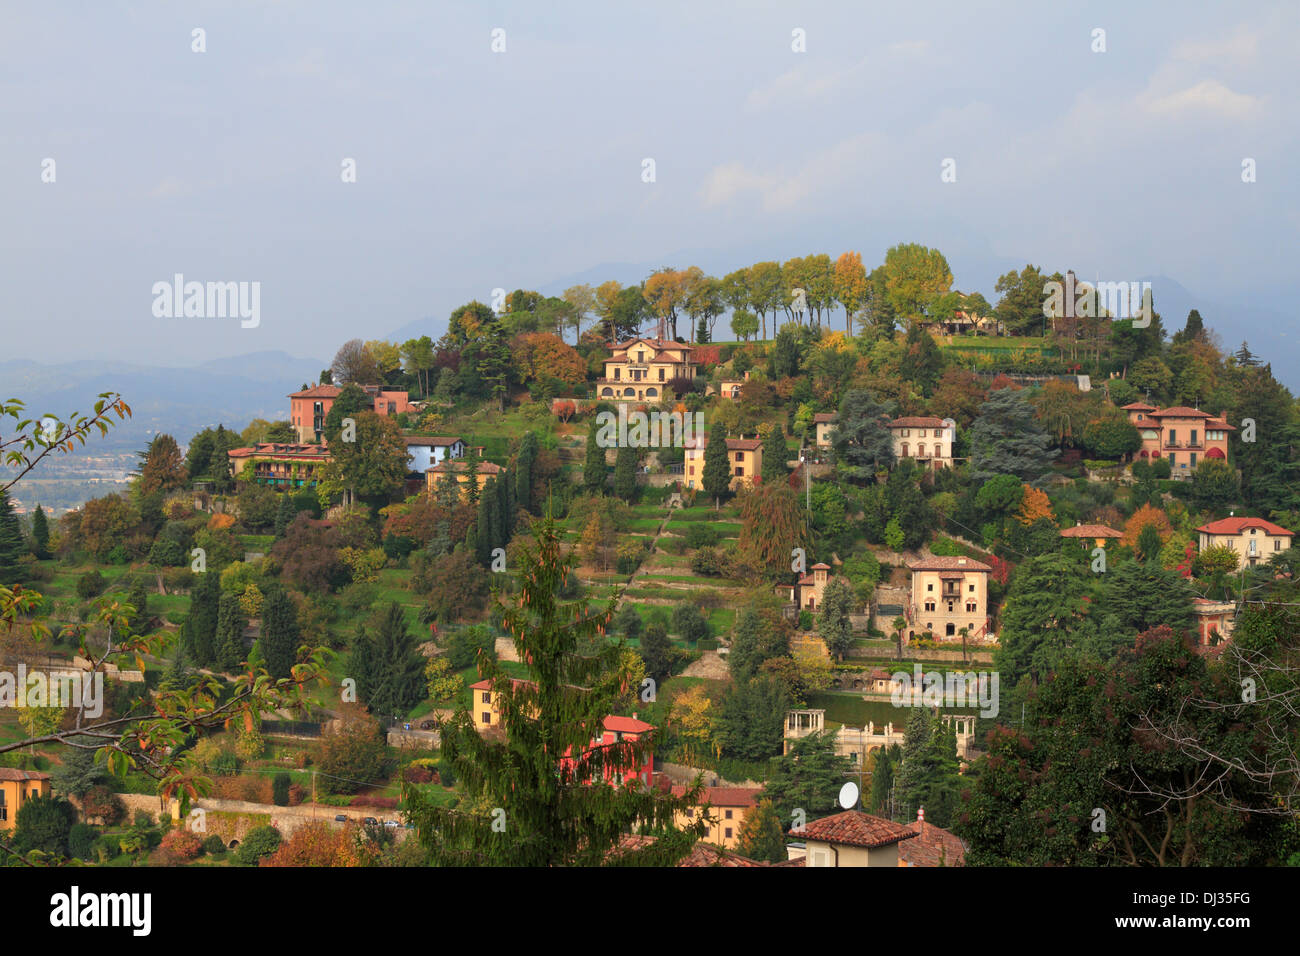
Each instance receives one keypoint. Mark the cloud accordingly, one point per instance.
(1207, 96)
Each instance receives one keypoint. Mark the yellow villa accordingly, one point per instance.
(16, 788)
(727, 808)
(744, 456)
(459, 468)
(640, 370)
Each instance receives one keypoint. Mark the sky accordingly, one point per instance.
(525, 166)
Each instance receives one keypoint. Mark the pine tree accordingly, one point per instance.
(40, 534)
(397, 671)
(361, 663)
(471, 479)
(717, 469)
(12, 546)
(138, 599)
(230, 633)
(537, 796)
(594, 469)
(506, 509)
(284, 514)
(882, 779)
(833, 624)
(280, 633)
(656, 651)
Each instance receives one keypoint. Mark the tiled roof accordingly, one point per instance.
(855, 828)
(1090, 531)
(9, 773)
(918, 421)
(459, 464)
(1238, 525)
(627, 725)
(1180, 411)
(1219, 425)
(733, 444)
(1139, 407)
(702, 854)
(826, 417)
(941, 563)
(724, 796)
(436, 441)
(933, 846)
(486, 684)
(318, 391)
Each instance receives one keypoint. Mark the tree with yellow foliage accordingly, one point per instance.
(1146, 515)
(1034, 506)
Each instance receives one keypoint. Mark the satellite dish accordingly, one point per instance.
(849, 795)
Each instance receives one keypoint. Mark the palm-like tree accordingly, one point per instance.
(900, 624)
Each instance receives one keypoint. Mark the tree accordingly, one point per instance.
(40, 534)
(625, 462)
(760, 634)
(629, 312)
(761, 835)
(750, 722)
(200, 627)
(1046, 613)
(541, 794)
(43, 823)
(862, 444)
(229, 639)
(353, 362)
(928, 774)
(717, 468)
(1021, 307)
(1214, 484)
(352, 752)
(774, 455)
(78, 772)
(1006, 439)
(656, 651)
(850, 285)
(161, 466)
(524, 466)
(540, 356)
(397, 669)
(882, 779)
(744, 324)
(914, 277)
(594, 469)
(772, 526)
(689, 624)
(807, 778)
(833, 626)
(12, 546)
(372, 466)
(280, 633)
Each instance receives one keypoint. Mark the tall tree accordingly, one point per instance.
(1006, 439)
(12, 546)
(280, 633)
(625, 463)
(862, 443)
(717, 468)
(229, 639)
(397, 668)
(775, 455)
(353, 362)
(541, 794)
(833, 626)
(40, 534)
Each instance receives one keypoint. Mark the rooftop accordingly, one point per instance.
(1238, 525)
(944, 563)
(855, 828)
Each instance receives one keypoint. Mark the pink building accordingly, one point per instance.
(1185, 436)
(308, 408)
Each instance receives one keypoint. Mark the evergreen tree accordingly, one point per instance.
(882, 779)
(1006, 439)
(397, 670)
(717, 469)
(471, 478)
(284, 514)
(229, 639)
(280, 633)
(533, 796)
(928, 775)
(863, 445)
(656, 651)
(361, 663)
(138, 599)
(833, 624)
(525, 464)
(762, 835)
(594, 469)
(807, 778)
(625, 472)
(12, 546)
(40, 534)
(201, 623)
(774, 455)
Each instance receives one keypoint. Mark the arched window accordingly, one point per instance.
(920, 450)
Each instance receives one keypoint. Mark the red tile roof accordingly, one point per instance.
(459, 464)
(318, 391)
(1180, 411)
(826, 417)
(434, 440)
(486, 684)
(627, 725)
(855, 828)
(1139, 407)
(933, 846)
(702, 854)
(1238, 525)
(941, 563)
(724, 796)
(9, 773)
(1090, 531)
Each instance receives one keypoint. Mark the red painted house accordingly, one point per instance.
(1185, 436)
(308, 408)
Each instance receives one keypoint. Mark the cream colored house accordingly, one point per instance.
(1254, 539)
(852, 838)
(949, 593)
(639, 370)
(806, 593)
(825, 423)
(926, 440)
(726, 808)
(744, 456)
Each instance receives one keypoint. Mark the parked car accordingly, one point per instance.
(340, 818)
(392, 823)
(370, 822)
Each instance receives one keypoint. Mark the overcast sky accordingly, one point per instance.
(478, 170)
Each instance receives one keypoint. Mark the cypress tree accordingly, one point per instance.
(280, 634)
(230, 633)
(594, 469)
(201, 624)
(40, 534)
(397, 682)
(625, 472)
(717, 469)
(284, 514)
(774, 455)
(361, 663)
(471, 478)
(524, 465)
(505, 509)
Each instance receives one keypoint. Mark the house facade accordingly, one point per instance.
(1214, 620)
(825, 422)
(727, 808)
(806, 593)
(949, 593)
(16, 788)
(852, 838)
(427, 452)
(926, 440)
(309, 407)
(459, 469)
(640, 370)
(1253, 539)
(279, 465)
(1185, 436)
(744, 458)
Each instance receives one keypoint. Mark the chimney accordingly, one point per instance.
(634, 715)
(920, 818)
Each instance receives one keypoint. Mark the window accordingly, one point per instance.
(728, 833)
(1173, 436)
(486, 697)
(929, 605)
(1277, 545)
(740, 472)
(1193, 456)
(487, 718)
(920, 450)
(904, 449)
(920, 434)
(970, 607)
(740, 456)
(728, 817)
(661, 375)
(971, 589)
(929, 587)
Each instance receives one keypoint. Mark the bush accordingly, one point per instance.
(280, 789)
(689, 624)
(700, 534)
(81, 840)
(143, 819)
(260, 842)
(417, 775)
(91, 585)
(182, 844)
(214, 846)
(446, 776)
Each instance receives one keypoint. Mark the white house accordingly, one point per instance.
(426, 452)
(926, 440)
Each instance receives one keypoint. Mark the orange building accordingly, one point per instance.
(16, 788)
(308, 408)
(744, 457)
(726, 807)
(1185, 436)
(280, 465)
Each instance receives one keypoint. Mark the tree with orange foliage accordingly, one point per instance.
(1034, 506)
(540, 355)
(1146, 515)
(850, 285)
(319, 844)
